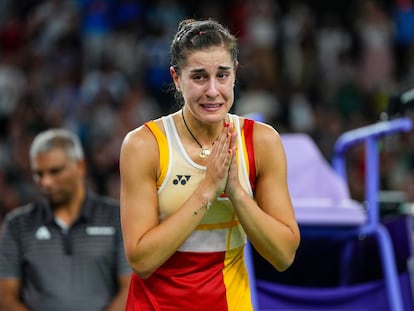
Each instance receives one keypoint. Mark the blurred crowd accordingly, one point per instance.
(101, 68)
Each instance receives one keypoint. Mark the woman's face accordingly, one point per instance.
(207, 83)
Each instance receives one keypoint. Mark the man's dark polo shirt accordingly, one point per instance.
(75, 270)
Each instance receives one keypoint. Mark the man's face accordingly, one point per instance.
(57, 176)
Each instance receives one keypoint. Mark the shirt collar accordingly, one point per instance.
(47, 216)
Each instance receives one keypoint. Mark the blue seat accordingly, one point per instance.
(325, 210)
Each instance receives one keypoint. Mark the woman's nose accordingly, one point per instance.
(212, 90)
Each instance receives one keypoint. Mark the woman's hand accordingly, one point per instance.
(233, 182)
(220, 160)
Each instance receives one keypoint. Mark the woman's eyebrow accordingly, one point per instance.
(199, 70)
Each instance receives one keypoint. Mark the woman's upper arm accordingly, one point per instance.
(139, 160)
(272, 193)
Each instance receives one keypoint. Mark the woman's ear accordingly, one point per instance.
(175, 77)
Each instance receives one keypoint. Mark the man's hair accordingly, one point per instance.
(57, 138)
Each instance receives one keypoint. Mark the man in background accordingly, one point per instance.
(63, 252)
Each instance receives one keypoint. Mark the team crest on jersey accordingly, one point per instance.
(181, 179)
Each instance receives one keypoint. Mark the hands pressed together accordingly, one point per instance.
(222, 172)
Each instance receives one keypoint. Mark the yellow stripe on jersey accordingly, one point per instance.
(224, 225)
(163, 149)
(246, 155)
(236, 280)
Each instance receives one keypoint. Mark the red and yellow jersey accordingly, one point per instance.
(208, 271)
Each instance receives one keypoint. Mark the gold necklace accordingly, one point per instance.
(205, 151)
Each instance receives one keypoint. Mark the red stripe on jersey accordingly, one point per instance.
(187, 281)
(248, 134)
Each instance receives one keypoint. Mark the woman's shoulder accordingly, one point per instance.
(137, 136)
(146, 135)
(262, 131)
(140, 138)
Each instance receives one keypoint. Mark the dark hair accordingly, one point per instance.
(195, 35)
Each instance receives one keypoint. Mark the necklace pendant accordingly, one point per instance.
(204, 152)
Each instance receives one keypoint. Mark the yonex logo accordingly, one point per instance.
(181, 179)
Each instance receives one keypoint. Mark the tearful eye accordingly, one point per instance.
(223, 75)
(198, 77)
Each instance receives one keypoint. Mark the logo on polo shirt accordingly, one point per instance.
(43, 233)
(100, 230)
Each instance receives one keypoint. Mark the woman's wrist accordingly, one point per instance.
(205, 203)
(236, 195)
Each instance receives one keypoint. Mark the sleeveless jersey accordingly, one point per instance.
(208, 271)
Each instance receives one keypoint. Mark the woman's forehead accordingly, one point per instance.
(212, 58)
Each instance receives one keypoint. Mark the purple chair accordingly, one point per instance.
(324, 209)
(319, 195)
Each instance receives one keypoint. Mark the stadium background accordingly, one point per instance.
(100, 68)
